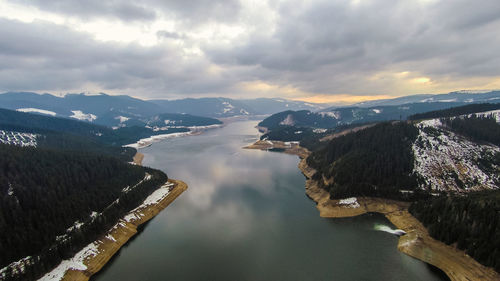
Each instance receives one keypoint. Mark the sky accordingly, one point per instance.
(316, 51)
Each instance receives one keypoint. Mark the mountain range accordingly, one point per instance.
(125, 111)
(119, 111)
(375, 111)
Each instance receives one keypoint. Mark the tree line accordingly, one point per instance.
(478, 128)
(43, 192)
(456, 111)
(471, 222)
(377, 161)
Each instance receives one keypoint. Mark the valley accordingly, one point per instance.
(393, 168)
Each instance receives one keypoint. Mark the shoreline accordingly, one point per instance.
(193, 131)
(93, 257)
(110, 243)
(287, 147)
(138, 157)
(417, 242)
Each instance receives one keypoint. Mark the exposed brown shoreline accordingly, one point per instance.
(417, 242)
(138, 157)
(121, 233)
(290, 148)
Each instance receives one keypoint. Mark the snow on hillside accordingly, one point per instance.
(122, 118)
(17, 138)
(333, 114)
(288, 120)
(495, 113)
(36, 110)
(447, 161)
(78, 114)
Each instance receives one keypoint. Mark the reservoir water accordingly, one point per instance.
(245, 216)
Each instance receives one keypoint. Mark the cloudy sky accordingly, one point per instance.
(324, 51)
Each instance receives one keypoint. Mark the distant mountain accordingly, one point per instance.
(225, 107)
(126, 111)
(177, 120)
(457, 97)
(270, 106)
(210, 107)
(62, 133)
(333, 117)
(101, 109)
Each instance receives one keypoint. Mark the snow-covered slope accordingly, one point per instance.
(494, 113)
(17, 138)
(37, 110)
(445, 161)
(78, 114)
(465, 97)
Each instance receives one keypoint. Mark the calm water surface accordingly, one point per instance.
(245, 216)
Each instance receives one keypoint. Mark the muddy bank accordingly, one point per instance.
(286, 147)
(416, 243)
(101, 250)
(138, 157)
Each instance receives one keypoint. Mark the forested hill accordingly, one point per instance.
(377, 161)
(67, 134)
(457, 111)
(449, 168)
(341, 116)
(55, 202)
(68, 185)
(472, 223)
(398, 159)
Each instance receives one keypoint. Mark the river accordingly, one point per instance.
(245, 216)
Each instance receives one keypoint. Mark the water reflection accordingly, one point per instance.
(245, 217)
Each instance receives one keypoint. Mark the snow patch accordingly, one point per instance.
(449, 162)
(148, 141)
(122, 118)
(78, 114)
(18, 138)
(351, 202)
(155, 197)
(494, 113)
(37, 110)
(319, 131)
(333, 114)
(288, 120)
(110, 237)
(75, 263)
(17, 266)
